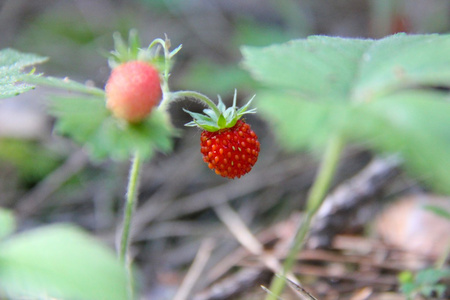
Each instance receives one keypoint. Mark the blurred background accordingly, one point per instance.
(46, 178)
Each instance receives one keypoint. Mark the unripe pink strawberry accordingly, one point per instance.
(133, 90)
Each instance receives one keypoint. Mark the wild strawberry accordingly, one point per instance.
(228, 145)
(132, 90)
(231, 152)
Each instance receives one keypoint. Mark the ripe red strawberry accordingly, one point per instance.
(231, 152)
(132, 90)
(228, 145)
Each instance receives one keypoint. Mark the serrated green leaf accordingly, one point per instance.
(78, 117)
(327, 68)
(403, 61)
(318, 68)
(7, 222)
(414, 124)
(12, 63)
(88, 122)
(63, 83)
(60, 261)
(380, 93)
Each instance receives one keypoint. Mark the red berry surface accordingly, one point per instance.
(132, 90)
(231, 152)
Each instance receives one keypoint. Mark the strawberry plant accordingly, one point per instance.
(321, 93)
(129, 119)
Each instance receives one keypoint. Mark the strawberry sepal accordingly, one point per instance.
(220, 117)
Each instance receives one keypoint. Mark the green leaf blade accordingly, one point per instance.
(60, 261)
(12, 63)
(413, 124)
(87, 121)
(383, 94)
(403, 61)
(301, 125)
(318, 68)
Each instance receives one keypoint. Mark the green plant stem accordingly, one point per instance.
(198, 96)
(130, 205)
(315, 198)
(131, 197)
(165, 83)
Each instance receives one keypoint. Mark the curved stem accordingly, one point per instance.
(315, 198)
(165, 84)
(198, 96)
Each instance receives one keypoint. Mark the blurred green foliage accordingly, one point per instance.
(31, 159)
(87, 121)
(59, 261)
(379, 93)
(426, 283)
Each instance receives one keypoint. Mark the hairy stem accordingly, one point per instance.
(131, 199)
(315, 198)
(197, 96)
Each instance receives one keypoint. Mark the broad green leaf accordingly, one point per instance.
(63, 83)
(403, 61)
(88, 122)
(300, 125)
(12, 63)
(318, 68)
(379, 93)
(60, 261)
(416, 125)
(327, 68)
(7, 222)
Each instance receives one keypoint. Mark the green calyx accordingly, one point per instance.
(218, 116)
(132, 51)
